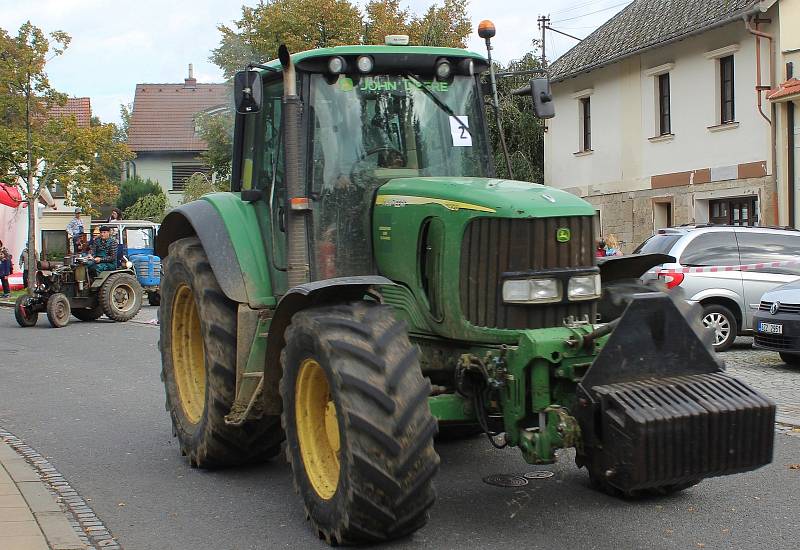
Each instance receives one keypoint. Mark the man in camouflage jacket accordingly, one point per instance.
(104, 250)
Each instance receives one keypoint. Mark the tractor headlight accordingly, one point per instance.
(531, 291)
(365, 64)
(584, 287)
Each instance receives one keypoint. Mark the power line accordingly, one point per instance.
(592, 12)
(579, 6)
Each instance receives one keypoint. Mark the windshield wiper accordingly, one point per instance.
(439, 103)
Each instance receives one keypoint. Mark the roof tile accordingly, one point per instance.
(644, 24)
(163, 116)
(79, 107)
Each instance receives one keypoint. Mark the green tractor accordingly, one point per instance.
(368, 283)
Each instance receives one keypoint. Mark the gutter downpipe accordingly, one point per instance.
(759, 87)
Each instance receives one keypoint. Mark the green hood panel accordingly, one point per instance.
(502, 198)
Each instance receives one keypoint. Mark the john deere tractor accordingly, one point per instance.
(368, 282)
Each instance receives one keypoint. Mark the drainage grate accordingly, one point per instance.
(538, 474)
(505, 480)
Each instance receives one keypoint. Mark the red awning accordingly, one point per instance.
(10, 196)
(787, 90)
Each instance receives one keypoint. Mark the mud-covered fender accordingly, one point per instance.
(231, 236)
(327, 291)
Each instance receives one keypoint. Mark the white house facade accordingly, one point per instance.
(658, 120)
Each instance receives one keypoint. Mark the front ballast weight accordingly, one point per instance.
(654, 410)
(657, 411)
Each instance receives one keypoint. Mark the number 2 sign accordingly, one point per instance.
(459, 129)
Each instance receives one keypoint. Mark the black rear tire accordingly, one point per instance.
(58, 310)
(723, 322)
(208, 442)
(88, 314)
(121, 297)
(385, 460)
(24, 317)
(791, 359)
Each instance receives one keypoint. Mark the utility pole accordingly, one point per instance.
(544, 23)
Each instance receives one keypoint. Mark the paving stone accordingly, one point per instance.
(19, 529)
(19, 513)
(8, 489)
(38, 497)
(60, 535)
(19, 470)
(24, 542)
(11, 501)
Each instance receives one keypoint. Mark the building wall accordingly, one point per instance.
(630, 163)
(158, 167)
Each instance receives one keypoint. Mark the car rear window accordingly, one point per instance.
(657, 244)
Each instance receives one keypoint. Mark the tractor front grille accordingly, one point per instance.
(494, 246)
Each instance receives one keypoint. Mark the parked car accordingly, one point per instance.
(137, 243)
(777, 322)
(729, 298)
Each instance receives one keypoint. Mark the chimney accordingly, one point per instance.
(191, 82)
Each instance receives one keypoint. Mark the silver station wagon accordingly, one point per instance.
(729, 297)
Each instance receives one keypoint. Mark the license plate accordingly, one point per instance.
(770, 328)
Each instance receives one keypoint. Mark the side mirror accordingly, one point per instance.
(248, 92)
(543, 104)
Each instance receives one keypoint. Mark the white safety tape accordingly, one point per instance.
(720, 268)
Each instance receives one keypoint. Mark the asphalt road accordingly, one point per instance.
(89, 397)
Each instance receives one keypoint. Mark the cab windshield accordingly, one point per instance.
(375, 128)
(370, 129)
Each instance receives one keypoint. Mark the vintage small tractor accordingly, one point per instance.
(70, 288)
(368, 282)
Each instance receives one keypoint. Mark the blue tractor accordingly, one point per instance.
(136, 242)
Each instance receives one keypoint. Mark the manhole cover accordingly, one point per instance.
(539, 474)
(505, 480)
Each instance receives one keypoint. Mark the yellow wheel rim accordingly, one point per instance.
(188, 356)
(317, 428)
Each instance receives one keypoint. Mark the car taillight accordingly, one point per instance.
(672, 279)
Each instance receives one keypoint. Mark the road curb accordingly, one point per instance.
(65, 518)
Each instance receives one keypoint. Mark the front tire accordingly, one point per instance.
(358, 427)
(724, 324)
(25, 318)
(58, 310)
(198, 356)
(791, 359)
(121, 297)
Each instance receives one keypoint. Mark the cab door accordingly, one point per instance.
(261, 168)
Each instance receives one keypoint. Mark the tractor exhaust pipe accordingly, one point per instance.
(297, 207)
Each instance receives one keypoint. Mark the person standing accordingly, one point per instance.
(23, 265)
(115, 216)
(75, 230)
(5, 269)
(613, 247)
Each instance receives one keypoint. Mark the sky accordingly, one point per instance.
(119, 43)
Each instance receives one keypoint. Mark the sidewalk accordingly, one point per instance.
(30, 517)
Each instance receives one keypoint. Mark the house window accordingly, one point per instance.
(727, 112)
(182, 172)
(662, 215)
(586, 124)
(664, 119)
(734, 211)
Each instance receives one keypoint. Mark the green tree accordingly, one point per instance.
(524, 132)
(446, 25)
(198, 184)
(125, 114)
(217, 131)
(384, 17)
(151, 207)
(134, 188)
(300, 24)
(39, 151)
